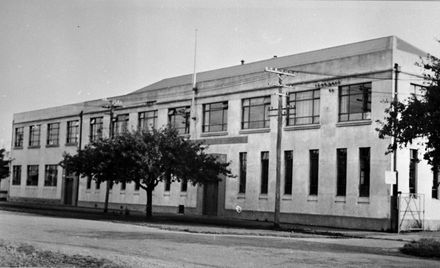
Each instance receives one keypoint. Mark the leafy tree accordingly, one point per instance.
(161, 155)
(4, 165)
(146, 158)
(418, 116)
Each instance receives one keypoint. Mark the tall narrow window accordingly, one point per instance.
(147, 120)
(32, 175)
(34, 135)
(51, 175)
(16, 175)
(137, 186)
(120, 124)
(215, 117)
(288, 172)
(413, 171)
(72, 132)
(341, 180)
(435, 183)
(314, 172)
(18, 141)
(53, 133)
(123, 185)
(264, 172)
(304, 107)
(96, 126)
(179, 119)
(355, 102)
(88, 183)
(184, 185)
(364, 172)
(243, 166)
(97, 185)
(167, 184)
(255, 113)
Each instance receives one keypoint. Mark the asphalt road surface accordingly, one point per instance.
(140, 246)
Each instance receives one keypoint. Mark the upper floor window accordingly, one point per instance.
(147, 120)
(215, 117)
(32, 175)
(16, 175)
(53, 133)
(18, 142)
(179, 119)
(120, 124)
(417, 90)
(72, 132)
(51, 175)
(255, 113)
(34, 135)
(304, 107)
(96, 126)
(355, 102)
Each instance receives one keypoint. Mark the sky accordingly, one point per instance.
(60, 52)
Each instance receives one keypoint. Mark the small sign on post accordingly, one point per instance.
(390, 177)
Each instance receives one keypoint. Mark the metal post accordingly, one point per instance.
(396, 199)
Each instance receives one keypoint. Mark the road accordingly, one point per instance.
(141, 246)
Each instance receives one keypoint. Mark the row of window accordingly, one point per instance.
(50, 175)
(341, 181)
(303, 108)
(167, 185)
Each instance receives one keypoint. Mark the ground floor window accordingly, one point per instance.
(16, 175)
(364, 172)
(341, 162)
(32, 175)
(435, 183)
(314, 172)
(264, 172)
(51, 175)
(242, 178)
(288, 172)
(412, 171)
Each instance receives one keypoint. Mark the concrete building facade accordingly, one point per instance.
(333, 163)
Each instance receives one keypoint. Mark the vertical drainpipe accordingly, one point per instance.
(79, 147)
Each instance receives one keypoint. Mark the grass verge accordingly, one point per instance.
(425, 247)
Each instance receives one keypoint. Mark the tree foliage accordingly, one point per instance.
(4, 165)
(147, 158)
(418, 116)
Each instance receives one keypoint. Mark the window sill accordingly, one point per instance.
(136, 192)
(254, 130)
(183, 194)
(213, 134)
(166, 194)
(50, 186)
(52, 146)
(363, 200)
(122, 192)
(241, 196)
(263, 197)
(302, 127)
(354, 123)
(340, 199)
(97, 191)
(31, 186)
(287, 197)
(71, 144)
(18, 148)
(312, 198)
(34, 147)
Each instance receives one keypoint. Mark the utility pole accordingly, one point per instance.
(280, 73)
(112, 105)
(396, 185)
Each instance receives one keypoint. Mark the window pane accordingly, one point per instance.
(364, 176)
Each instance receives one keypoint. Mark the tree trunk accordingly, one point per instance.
(107, 194)
(149, 209)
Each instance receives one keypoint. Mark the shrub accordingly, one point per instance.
(423, 248)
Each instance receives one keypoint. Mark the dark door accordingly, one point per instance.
(68, 191)
(210, 198)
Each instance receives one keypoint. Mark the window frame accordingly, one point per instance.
(185, 113)
(364, 171)
(242, 172)
(34, 136)
(120, 124)
(264, 177)
(144, 119)
(16, 175)
(29, 179)
(72, 134)
(96, 128)
(53, 134)
(366, 95)
(292, 106)
(50, 175)
(246, 111)
(288, 172)
(207, 115)
(341, 172)
(18, 137)
(313, 172)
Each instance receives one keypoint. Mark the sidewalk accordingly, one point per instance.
(207, 224)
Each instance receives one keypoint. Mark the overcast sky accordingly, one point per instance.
(59, 52)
